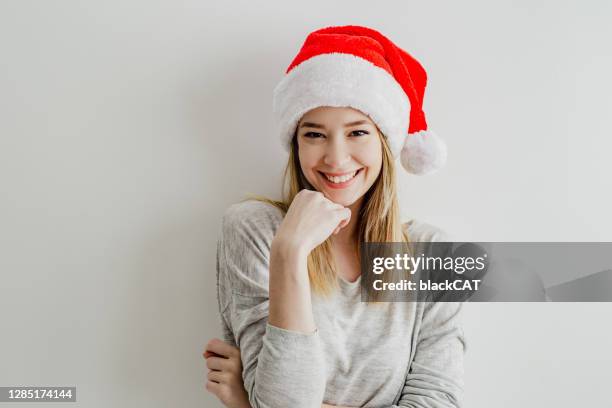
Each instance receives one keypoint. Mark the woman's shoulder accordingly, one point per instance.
(247, 231)
(252, 216)
(254, 210)
(420, 231)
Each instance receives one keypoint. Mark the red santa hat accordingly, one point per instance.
(358, 67)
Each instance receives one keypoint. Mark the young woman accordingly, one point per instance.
(296, 331)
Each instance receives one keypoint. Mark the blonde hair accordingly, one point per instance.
(379, 216)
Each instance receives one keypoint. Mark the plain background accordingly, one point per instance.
(129, 126)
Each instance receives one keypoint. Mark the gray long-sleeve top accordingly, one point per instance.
(400, 354)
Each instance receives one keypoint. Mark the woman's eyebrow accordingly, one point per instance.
(318, 126)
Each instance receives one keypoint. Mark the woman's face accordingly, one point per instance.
(340, 152)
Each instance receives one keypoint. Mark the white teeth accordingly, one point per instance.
(341, 179)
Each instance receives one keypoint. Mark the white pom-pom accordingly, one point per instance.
(423, 153)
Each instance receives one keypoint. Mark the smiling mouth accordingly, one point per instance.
(343, 178)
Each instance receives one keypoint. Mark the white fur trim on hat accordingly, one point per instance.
(423, 153)
(338, 79)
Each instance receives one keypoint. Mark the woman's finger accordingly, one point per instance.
(219, 377)
(213, 387)
(334, 206)
(223, 349)
(343, 223)
(345, 215)
(218, 363)
(207, 354)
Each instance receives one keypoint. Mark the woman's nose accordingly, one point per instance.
(337, 154)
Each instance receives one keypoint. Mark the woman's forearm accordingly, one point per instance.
(290, 302)
(289, 368)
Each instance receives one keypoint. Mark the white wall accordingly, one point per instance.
(128, 126)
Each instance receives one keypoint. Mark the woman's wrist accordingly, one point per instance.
(289, 286)
(288, 250)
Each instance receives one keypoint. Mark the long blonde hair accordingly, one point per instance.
(379, 216)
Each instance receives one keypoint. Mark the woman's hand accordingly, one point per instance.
(225, 374)
(226, 381)
(310, 220)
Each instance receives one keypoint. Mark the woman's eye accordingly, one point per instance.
(362, 132)
(312, 135)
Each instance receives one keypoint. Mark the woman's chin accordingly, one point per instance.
(341, 198)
